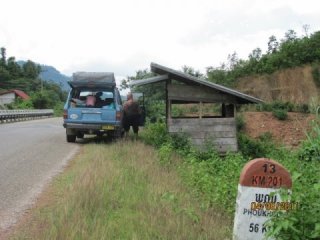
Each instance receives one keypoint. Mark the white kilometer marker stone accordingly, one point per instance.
(256, 199)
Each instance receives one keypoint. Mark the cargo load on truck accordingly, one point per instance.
(92, 79)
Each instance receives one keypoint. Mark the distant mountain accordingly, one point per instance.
(49, 73)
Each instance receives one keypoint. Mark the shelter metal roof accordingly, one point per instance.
(150, 80)
(166, 73)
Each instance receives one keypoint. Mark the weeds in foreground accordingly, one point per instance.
(305, 167)
(213, 179)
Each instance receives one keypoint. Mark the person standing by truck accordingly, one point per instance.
(131, 115)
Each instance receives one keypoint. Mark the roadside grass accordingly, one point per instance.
(122, 191)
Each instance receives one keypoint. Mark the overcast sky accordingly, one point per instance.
(123, 36)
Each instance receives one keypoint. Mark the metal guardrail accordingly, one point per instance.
(20, 115)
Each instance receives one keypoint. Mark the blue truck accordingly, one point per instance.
(93, 106)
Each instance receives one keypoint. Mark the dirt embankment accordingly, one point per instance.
(290, 132)
(294, 85)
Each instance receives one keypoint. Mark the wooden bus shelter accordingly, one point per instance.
(183, 88)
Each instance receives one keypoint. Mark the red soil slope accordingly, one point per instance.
(289, 132)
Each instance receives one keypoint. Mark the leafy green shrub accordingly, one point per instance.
(240, 122)
(254, 148)
(304, 108)
(213, 178)
(155, 111)
(20, 104)
(155, 134)
(310, 149)
(303, 222)
(58, 109)
(264, 107)
(280, 114)
(283, 106)
(181, 143)
(41, 100)
(309, 152)
(276, 105)
(266, 138)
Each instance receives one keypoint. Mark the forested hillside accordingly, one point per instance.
(12, 75)
(49, 73)
(289, 52)
(25, 77)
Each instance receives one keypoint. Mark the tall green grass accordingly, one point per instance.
(121, 191)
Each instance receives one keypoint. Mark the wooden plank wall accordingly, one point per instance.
(198, 94)
(221, 132)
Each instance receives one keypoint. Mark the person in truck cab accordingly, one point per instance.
(90, 101)
(99, 102)
(131, 115)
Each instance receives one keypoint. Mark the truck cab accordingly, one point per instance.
(93, 106)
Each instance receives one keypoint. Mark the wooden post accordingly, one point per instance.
(227, 110)
(200, 109)
(230, 110)
(223, 110)
(169, 108)
(168, 104)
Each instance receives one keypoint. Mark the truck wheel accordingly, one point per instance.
(80, 135)
(122, 133)
(100, 134)
(71, 138)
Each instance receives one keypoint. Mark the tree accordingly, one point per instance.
(31, 70)
(233, 60)
(190, 70)
(290, 52)
(14, 68)
(273, 44)
(3, 60)
(124, 84)
(217, 75)
(255, 55)
(290, 36)
(305, 29)
(4, 78)
(151, 90)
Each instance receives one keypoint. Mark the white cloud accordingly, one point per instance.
(124, 36)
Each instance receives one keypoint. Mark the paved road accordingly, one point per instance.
(30, 154)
